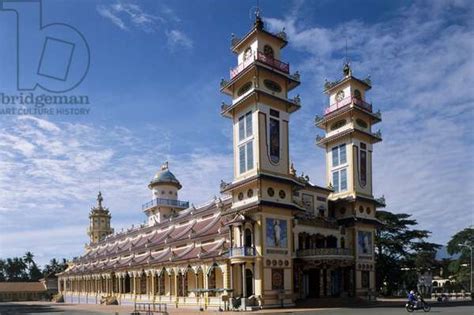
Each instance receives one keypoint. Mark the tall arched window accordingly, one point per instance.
(248, 237)
(357, 95)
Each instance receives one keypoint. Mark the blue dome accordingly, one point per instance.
(165, 177)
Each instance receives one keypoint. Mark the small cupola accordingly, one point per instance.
(164, 177)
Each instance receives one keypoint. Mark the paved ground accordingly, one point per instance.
(47, 308)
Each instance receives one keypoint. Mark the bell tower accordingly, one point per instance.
(348, 142)
(260, 218)
(99, 218)
(260, 109)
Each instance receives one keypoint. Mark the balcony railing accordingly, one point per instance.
(165, 202)
(347, 101)
(323, 252)
(244, 251)
(259, 56)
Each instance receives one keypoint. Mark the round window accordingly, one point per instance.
(272, 86)
(338, 124)
(247, 53)
(340, 96)
(282, 194)
(368, 210)
(270, 192)
(250, 193)
(240, 195)
(244, 88)
(361, 209)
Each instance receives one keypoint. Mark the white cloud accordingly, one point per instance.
(50, 173)
(129, 16)
(421, 66)
(179, 39)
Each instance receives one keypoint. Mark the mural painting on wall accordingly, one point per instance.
(364, 242)
(277, 233)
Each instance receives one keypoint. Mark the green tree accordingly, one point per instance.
(401, 252)
(16, 269)
(55, 266)
(461, 243)
(2, 270)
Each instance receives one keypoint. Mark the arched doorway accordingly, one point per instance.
(143, 283)
(248, 282)
(127, 283)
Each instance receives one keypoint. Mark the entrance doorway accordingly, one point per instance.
(248, 283)
(314, 283)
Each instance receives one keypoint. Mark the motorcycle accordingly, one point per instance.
(418, 305)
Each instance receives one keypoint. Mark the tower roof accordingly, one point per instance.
(347, 76)
(165, 177)
(258, 28)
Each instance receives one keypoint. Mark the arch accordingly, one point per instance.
(182, 283)
(190, 279)
(268, 51)
(143, 285)
(199, 278)
(113, 278)
(357, 94)
(248, 282)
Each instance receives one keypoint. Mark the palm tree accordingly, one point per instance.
(28, 258)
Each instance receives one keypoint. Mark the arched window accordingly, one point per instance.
(357, 94)
(268, 51)
(343, 242)
(248, 237)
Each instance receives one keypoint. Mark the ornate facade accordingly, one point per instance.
(272, 237)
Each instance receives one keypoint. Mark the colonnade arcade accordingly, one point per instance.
(185, 281)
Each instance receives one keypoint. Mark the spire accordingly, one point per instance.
(258, 24)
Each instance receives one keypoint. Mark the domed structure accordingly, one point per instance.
(165, 203)
(164, 176)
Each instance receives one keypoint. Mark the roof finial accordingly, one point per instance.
(258, 20)
(164, 166)
(99, 200)
(347, 65)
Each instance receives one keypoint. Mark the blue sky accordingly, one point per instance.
(153, 86)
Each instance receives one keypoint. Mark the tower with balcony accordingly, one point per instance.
(99, 222)
(260, 219)
(349, 138)
(164, 204)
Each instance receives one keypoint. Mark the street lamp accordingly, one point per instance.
(470, 247)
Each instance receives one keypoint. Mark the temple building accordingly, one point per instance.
(272, 237)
